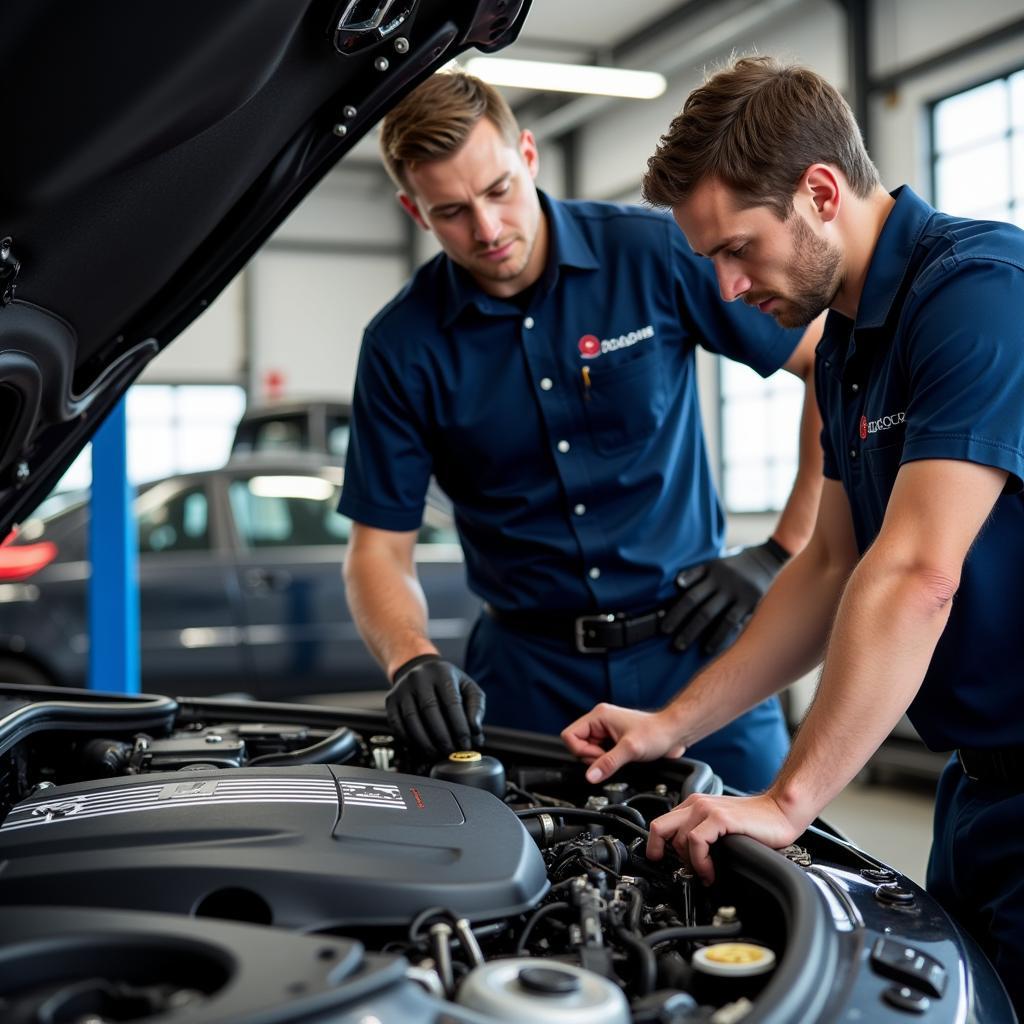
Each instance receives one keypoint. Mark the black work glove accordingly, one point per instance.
(718, 597)
(434, 706)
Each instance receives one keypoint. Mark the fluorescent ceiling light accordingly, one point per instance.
(597, 81)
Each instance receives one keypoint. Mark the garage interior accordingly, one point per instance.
(939, 91)
(217, 429)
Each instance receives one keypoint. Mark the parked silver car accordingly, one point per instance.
(239, 582)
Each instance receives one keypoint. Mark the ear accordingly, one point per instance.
(529, 152)
(409, 205)
(822, 185)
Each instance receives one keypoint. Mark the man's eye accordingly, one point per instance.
(738, 251)
(447, 214)
(501, 189)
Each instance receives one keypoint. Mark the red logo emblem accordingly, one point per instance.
(590, 346)
(863, 427)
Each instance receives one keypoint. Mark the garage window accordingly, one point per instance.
(760, 424)
(172, 428)
(978, 150)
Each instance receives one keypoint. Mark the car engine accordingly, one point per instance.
(234, 861)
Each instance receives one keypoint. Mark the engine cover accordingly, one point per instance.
(309, 846)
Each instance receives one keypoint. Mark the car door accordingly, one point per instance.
(298, 634)
(190, 615)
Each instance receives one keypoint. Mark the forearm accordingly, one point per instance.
(886, 629)
(796, 521)
(388, 607)
(784, 640)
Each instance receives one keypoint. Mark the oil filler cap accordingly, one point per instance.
(548, 981)
(471, 768)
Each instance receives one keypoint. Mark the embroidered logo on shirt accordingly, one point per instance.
(882, 423)
(591, 346)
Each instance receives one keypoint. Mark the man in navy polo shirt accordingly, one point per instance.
(542, 369)
(912, 585)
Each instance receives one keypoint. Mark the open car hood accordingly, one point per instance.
(154, 148)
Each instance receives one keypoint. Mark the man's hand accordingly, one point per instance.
(435, 706)
(635, 735)
(718, 597)
(698, 821)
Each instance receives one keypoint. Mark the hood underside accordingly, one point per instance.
(154, 149)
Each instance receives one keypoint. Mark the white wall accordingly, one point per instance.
(614, 150)
(210, 350)
(309, 311)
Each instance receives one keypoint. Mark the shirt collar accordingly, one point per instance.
(891, 258)
(566, 248)
(886, 272)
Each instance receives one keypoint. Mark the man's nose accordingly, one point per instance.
(731, 284)
(486, 225)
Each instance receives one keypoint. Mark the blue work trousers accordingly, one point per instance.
(543, 684)
(976, 868)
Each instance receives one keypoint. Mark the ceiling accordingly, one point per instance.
(581, 31)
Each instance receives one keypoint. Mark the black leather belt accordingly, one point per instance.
(593, 633)
(1005, 767)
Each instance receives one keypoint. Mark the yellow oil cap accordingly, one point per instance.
(464, 755)
(734, 959)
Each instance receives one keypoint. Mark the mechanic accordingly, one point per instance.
(542, 368)
(911, 586)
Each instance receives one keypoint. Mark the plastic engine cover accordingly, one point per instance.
(298, 847)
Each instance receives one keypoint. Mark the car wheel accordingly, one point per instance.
(22, 673)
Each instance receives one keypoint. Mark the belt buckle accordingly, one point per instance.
(580, 626)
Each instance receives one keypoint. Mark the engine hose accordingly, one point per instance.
(694, 932)
(538, 915)
(581, 814)
(341, 746)
(647, 965)
(627, 812)
(636, 907)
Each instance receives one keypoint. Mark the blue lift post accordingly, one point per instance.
(113, 554)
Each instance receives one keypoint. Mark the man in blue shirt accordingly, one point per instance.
(542, 369)
(912, 585)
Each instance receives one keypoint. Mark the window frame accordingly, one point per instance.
(934, 157)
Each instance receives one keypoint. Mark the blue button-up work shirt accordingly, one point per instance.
(933, 368)
(568, 434)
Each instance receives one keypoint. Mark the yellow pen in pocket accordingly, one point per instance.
(586, 382)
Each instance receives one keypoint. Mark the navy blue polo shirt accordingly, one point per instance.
(568, 434)
(933, 368)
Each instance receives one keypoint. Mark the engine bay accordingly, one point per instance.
(494, 885)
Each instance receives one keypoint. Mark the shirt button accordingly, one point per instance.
(563, 446)
(853, 453)
(594, 573)
(579, 509)
(855, 388)
(546, 384)
(528, 322)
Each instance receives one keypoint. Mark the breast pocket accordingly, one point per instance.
(881, 466)
(626, 400)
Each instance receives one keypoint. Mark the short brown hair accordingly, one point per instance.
(757, 125)
(434, 121)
